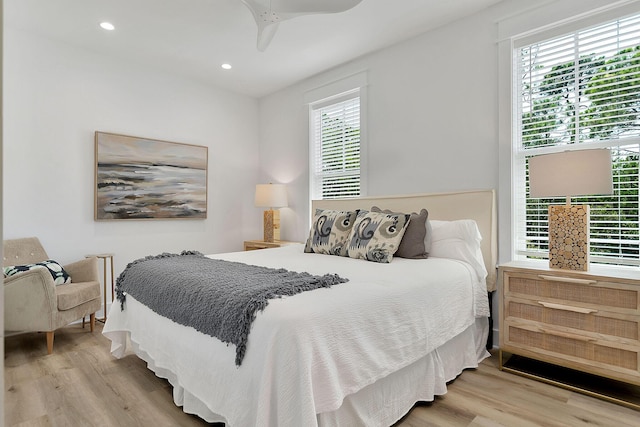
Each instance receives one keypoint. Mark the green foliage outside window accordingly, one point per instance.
(597, 101)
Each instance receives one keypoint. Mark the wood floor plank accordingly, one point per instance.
(480, 421)
(82, 384)
(447, 415)
(24, 400)
(525, 400)
(42, 421)
(623, 416)
(501, 412)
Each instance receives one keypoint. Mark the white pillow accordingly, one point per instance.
(427, 237)
(459, 240)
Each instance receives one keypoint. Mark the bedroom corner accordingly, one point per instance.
(109, 94)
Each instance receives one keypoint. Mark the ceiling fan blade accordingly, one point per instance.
(269, 13)
(309, 6)
(265, 34)
(266, 21)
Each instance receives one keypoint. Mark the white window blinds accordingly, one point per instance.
(335, 148)
(578, 91)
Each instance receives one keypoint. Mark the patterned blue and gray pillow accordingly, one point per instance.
(60, 276)
(376, 236)
(330, 231)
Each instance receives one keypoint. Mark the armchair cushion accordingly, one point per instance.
(76, 294)
(59, 275)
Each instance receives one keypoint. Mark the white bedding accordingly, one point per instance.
(309, 353)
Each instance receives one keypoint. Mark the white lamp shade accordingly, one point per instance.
(271, 196)
(571, 173)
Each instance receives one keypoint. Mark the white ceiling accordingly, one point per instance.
(194, 37)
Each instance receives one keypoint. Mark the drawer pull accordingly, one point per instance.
(582, 310)
(566, 335)
(567, 279)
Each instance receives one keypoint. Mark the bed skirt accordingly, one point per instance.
(379, 404)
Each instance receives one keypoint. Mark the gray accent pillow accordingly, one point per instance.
(376, 236)
(412, 245)
(330, 231)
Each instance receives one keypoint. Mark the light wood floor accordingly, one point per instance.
(81, 384)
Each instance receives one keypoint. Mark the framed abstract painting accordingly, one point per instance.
(142, 178)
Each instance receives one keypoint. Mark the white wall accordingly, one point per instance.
(438, 105)
(433, 109)
(432, 124)
(56, 96)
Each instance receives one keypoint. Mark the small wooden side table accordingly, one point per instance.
(105, 257)
(250, 245)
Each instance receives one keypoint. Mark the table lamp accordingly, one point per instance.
(271, 196)
(567, 174)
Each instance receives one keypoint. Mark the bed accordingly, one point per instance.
(358, 353)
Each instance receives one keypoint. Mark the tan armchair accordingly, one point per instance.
(33, 303)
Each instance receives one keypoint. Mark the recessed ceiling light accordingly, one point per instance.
(226, 66)
(107, 26)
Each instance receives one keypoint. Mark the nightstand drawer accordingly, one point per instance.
(582, 292)
(592, 353)
(598, 323)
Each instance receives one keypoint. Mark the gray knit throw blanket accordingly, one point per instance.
(218, 298)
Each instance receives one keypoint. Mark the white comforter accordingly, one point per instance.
(307, 352)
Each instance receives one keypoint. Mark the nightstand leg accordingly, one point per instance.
(104, 286)
(112, 280)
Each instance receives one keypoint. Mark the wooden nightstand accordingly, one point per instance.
(584, 321)
(250, 245)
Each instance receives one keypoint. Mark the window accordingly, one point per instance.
(336, 147)
(577, 91)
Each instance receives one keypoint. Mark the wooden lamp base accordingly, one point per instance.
(271, 225)
(569, 237)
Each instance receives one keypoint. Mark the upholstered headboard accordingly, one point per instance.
(477, 205)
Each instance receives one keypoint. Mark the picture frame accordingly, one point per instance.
(144, 178)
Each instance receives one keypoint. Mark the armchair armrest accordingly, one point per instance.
(85, 270)
(30, 301)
